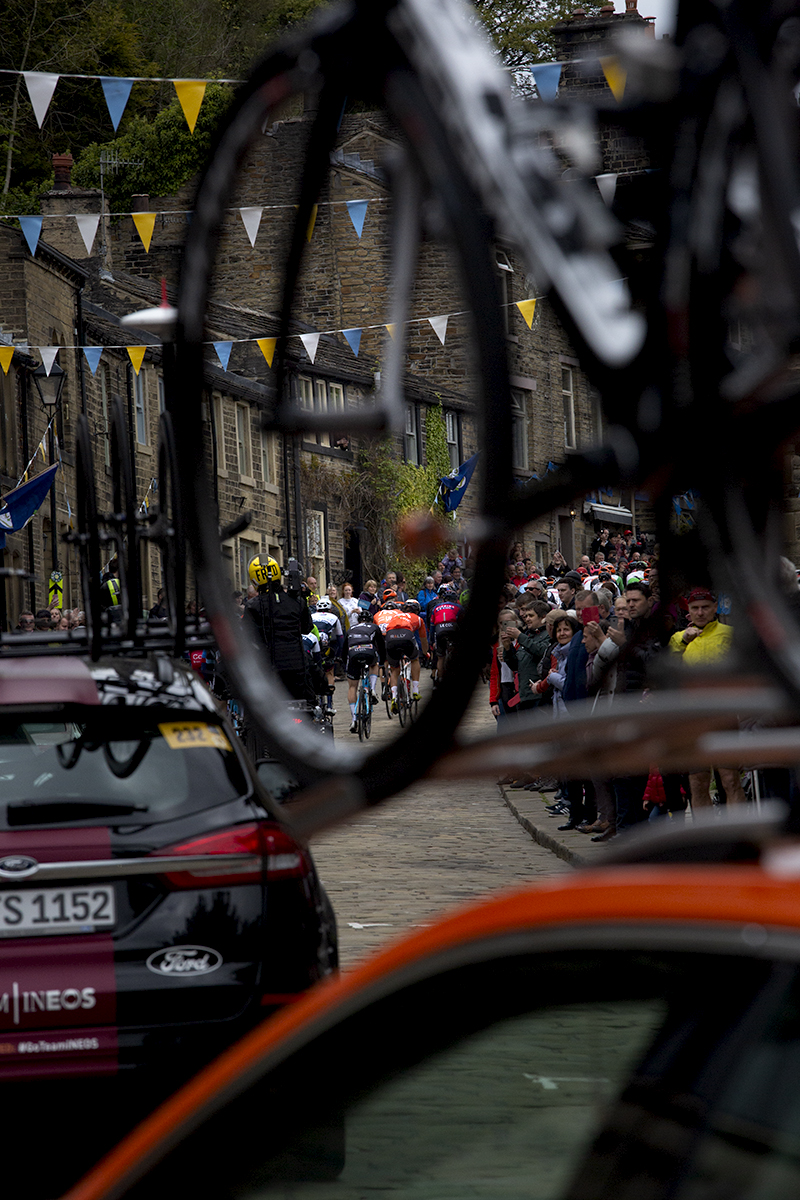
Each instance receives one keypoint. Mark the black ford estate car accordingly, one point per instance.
(153, 905)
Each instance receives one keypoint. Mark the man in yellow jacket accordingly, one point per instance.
(704, 641)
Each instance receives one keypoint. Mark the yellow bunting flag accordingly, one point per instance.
(391, 330)
(267, 348)
(615, 74)
(6, 355)
(312, 222)
(145, 224)
(190, 93)
(136, 355)
(41, 450)
(527, 308)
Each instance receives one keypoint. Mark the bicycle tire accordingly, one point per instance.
(123, 518)
(282, 73)
(360, 713)
(168, 533)
(87, 536)
(402, 701)
(367, 717)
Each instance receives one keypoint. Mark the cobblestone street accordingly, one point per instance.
(435, 846)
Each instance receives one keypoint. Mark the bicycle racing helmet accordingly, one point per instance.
(323, 604)
(411, 606)
(263, 571)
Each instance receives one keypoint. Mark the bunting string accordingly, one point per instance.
(40, 449)
(439, 325)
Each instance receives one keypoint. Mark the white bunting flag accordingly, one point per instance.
(439, 327)
(310, 341)
(40, 89)
(252, 219)
(48, 354)
(87, 227)
(607, 185)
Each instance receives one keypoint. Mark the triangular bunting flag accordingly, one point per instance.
(607, 186)
(190, 94)
(87, 227)
(116, 91)
(527, 308)
(223, 350)
(6, 355)
(41, 450)
(92, 356)
(358, 211)
(40, 89)
(48, 354)
(615, 74)
(267, 348)
(390, 329)
(546, 76)
(252, 219)
(353, 339)
(136, 355)
(439, 327)
(311, 223)
(310, 341)
(145, 224)
(32, 229)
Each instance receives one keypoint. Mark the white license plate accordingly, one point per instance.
(56, 910)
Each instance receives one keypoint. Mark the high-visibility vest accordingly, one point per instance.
(111, 587)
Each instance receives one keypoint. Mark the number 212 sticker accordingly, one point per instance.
(194, 735)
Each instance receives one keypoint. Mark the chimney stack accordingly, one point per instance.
(62, 166)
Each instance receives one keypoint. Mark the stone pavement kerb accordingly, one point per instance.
(575, 848)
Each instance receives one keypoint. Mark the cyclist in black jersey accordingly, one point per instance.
(363, 643)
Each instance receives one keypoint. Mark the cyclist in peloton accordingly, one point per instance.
(398, 629)
(363, 643)
(443, 615)
(331, 635)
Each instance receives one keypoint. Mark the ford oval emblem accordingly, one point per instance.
(18, 866)
(184, 962)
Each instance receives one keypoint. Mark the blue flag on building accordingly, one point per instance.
(17, 507)
(454, 486)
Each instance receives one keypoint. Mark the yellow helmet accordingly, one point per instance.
(263, 571)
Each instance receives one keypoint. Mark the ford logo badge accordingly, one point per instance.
(184, 962)
(17, 866)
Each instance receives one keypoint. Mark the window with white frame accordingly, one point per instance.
(247, 549)
(315, 546)
(219, 429)
(411, 438)
(140, 407)
(267, 456)
(452, 426)
(243, 450)
(306, 393)
(519, 429)
(568, 396)
(505, 271)
(320, 396)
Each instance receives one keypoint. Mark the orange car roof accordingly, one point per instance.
(695, 895)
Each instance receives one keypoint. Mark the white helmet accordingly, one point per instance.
(323, 604)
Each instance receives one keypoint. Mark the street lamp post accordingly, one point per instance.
(49, 386)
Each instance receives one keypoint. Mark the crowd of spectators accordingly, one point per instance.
(596, 632)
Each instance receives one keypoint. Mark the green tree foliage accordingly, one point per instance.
(85, 37)
(169, 153)
(522, 29)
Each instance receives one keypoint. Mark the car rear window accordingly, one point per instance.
(54, 771)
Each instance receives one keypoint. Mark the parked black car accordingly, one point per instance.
(153, 905)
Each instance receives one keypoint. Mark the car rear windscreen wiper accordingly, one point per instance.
(48, 812)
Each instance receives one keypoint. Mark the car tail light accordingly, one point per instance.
(280, 857)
